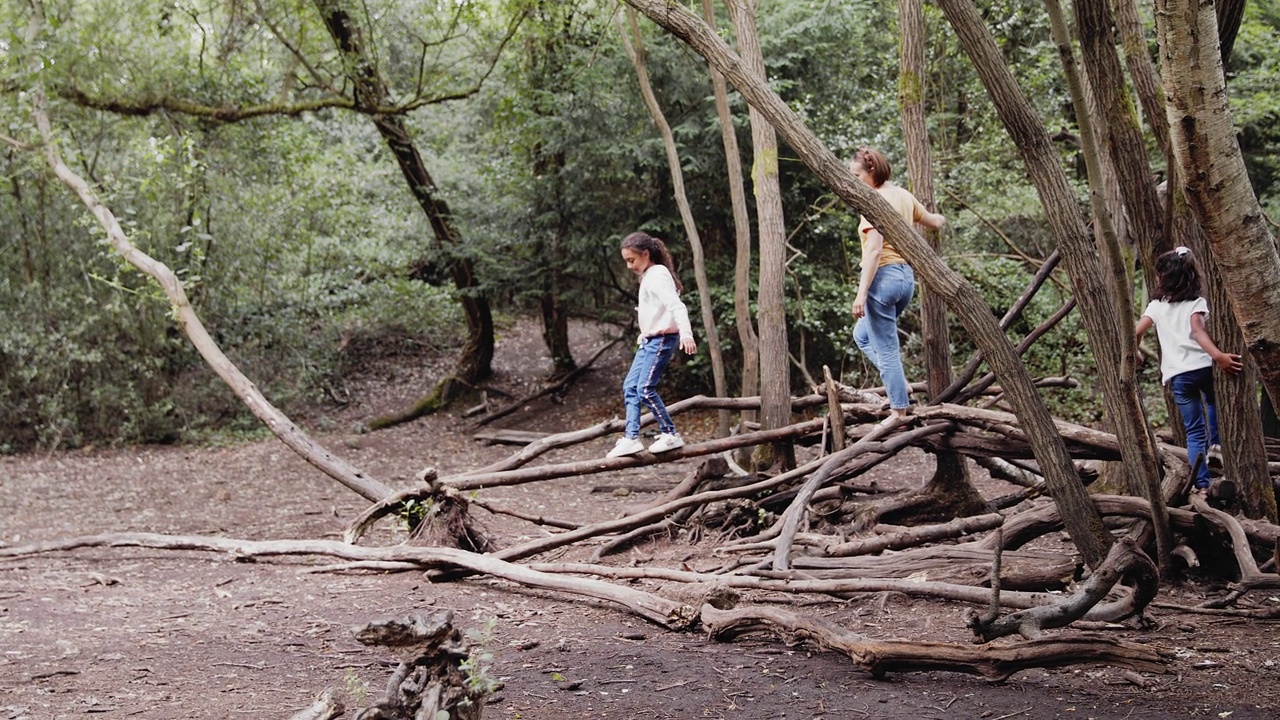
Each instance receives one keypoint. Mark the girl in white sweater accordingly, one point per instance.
(664, 326)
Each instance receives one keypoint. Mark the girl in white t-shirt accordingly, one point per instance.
(1187, 353)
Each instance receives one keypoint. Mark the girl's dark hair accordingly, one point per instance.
(642, 242)
(1178, 277)
(875, 163)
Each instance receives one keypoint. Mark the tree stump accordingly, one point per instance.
(438, 675)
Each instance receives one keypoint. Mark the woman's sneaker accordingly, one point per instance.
(626, 446)
(666, 442)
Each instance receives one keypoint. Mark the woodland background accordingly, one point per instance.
(221, 134)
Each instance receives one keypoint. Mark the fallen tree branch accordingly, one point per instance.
(564, 381)
(651, 607)
(880, 657)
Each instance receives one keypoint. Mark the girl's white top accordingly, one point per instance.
(661, 311)
(1178, 352)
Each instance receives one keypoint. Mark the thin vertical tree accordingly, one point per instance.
(635, 51)
(775, 368)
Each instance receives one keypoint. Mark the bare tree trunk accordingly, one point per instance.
(951, 474)
(1104, 200)
(1146, 81)
(279, 424)
(1083, 522)
(742, 232)
(775, 367)
(371, 91)
(1244, 456)
(1212, 172)
(1102, 322)
(637, 56)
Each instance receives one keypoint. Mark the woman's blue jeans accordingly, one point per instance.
(641, 385)
(876, 333)
(1193, 393)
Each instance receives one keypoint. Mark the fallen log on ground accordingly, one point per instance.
(880, 657)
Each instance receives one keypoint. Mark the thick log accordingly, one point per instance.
(916, 536)
(880, 657)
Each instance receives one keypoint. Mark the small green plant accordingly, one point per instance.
(480, 682)
(413, 512)
(357, 689)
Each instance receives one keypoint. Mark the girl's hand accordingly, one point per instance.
(688, 346)
(1230, 364)
(859, 306)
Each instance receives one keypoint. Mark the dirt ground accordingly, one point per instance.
(152, 634)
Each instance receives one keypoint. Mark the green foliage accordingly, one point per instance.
(304, 254)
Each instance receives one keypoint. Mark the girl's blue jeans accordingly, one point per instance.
(641, 385)
(876, 333)
(1193, 393)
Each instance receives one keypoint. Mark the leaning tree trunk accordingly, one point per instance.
(1104, 200)
(747, 339)
(951, 474)
(635, 50)
(186, 317)
(775, 366)
(1108, 335)
(1081, 518)
(1212, 172)
(371, 92)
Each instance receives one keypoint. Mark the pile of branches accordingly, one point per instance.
(817, 531)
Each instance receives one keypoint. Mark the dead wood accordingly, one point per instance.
(478, 481)
(799, 508)
(643, 604)
(916, 536)
(1124, 560)
(1251, 577)
(508, 437)
(880, 657)
(1256, 613)
(564, 381)
(965, 564)
(1036, 333)
(802, 582)
(834, 414)
(325, 707)
(430, 678)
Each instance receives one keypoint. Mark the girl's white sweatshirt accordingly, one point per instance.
(661, 311)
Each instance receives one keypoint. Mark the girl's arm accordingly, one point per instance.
(872, 250)
(933, 221)
(1229, 363)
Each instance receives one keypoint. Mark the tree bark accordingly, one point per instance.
(951, 474)
(775, 367)
(1086, 529)
(742, 234)
(1106, 338)
(1212, 172)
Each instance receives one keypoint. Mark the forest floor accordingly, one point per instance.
(164, 634)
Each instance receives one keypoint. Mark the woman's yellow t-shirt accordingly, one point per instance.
(909, 209)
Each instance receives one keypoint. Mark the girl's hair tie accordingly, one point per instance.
(1182, 251)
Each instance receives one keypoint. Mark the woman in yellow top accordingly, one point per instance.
(887, 282)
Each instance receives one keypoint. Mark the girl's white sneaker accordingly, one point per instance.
(626, 446)
(666, 442)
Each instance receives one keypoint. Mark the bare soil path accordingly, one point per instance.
(159, 635)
